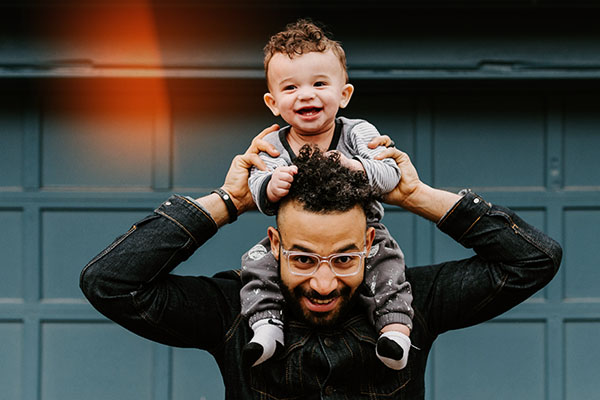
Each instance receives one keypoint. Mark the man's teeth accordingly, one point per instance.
(317, 301)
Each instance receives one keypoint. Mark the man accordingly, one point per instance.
(321, 246)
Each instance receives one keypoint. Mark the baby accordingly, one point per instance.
(308, 82)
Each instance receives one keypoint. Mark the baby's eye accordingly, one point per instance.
(289, 87)
(320, 83)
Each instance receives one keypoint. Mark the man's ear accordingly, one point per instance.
(271, 103)
(275, 241)
(370, 236)
(347, 91)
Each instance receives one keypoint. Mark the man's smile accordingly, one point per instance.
(320, 305)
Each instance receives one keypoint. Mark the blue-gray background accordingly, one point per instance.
(108, 107)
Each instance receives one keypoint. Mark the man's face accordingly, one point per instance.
(307, 90)
(322, 297)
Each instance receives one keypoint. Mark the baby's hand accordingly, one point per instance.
(280, 182)
(349, 163)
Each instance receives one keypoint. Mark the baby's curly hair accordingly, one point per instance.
(300, 37)
(323, 184)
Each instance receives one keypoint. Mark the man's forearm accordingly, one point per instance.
(414, 195)
(215, 207)
(430, 203)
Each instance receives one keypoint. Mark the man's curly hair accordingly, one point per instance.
(300, 37)
(323, 184)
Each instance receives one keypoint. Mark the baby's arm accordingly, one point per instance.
(384, 174)
(259, 182)
(349, 163)
(280, 183)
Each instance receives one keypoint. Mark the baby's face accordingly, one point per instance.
(307, 91)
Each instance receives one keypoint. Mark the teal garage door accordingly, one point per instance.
(94, 141)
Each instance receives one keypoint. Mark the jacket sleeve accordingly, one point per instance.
(130, 281)
(513, 261)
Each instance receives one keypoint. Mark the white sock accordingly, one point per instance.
(267, 332)
(392, 349)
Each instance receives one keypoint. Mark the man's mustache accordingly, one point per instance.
(313, 294)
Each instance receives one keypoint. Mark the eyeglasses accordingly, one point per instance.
(307, 264)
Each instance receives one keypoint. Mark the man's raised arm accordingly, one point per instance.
(130, 281)
(514, 259)
(412, 194)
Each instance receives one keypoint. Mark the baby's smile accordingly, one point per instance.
(309, 111)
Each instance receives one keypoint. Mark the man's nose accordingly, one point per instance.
(324, 280)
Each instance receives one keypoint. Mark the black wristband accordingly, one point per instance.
(231, 209)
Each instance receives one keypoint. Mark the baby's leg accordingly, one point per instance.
(393, 346)
(388, 298)
(261, 301)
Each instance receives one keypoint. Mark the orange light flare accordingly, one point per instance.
(115, 93)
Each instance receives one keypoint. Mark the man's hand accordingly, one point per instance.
(280, 183)
(236, 181)
(410, 193)
(409, 182)
(383, 140)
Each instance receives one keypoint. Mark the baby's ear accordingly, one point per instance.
(271, 103)
(347, 91)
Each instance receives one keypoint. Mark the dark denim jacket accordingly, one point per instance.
(130, 283)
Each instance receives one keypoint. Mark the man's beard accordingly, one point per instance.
(294, 297)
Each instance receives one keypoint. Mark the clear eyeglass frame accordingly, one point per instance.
(287, 253)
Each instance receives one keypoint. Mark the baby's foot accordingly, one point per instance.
(266, 342)
(392, 349)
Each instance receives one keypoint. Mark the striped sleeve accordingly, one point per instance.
(384, 174)
(259, 178)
